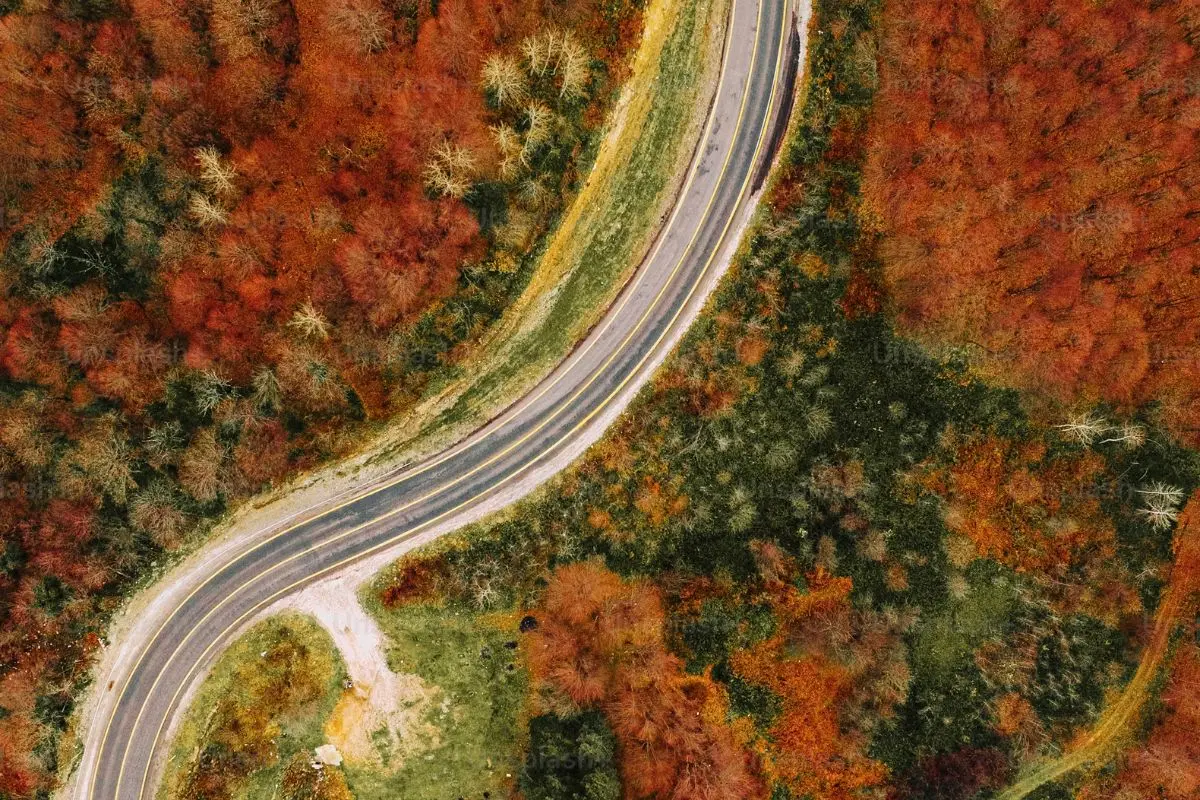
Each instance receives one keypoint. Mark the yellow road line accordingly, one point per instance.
(582, 423)
(420, 469)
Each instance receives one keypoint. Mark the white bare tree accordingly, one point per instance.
(504, 78)
(1084, 428)
(533, 194)
(508, 142)
(573, 68)
(217, 175)
(207, 212)
(538, 51)
(1162, 503)
(1129, 434)
(540, 120)
(364, 23)
(211, 389)
(450, 169)
(310, 322)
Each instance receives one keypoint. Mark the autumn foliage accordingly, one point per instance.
(832, 668)
(417, 577)
(1037, 513)
(221, 246)
(1033, 171)
(241, 732)
(600, 642)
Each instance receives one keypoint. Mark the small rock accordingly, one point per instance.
(511, 645)
(328, 754)
(528, 624)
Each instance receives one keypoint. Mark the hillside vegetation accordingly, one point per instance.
(819, 560)
(232, 234)
(256, 718)
(816, 560)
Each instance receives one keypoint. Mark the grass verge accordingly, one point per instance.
(607, 231)
(477, 709)
(599, 241)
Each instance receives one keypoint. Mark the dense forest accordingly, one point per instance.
(1033, 173)
(230, 232)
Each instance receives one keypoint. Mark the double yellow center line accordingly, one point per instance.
(454, 451)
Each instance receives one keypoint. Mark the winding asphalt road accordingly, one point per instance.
(126, 738)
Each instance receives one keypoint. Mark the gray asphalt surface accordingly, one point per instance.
(619, 353)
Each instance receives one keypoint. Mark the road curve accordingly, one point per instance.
(570, 406)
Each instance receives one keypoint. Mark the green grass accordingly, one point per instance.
(477, 706)
(300, 729)
(477, 709)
